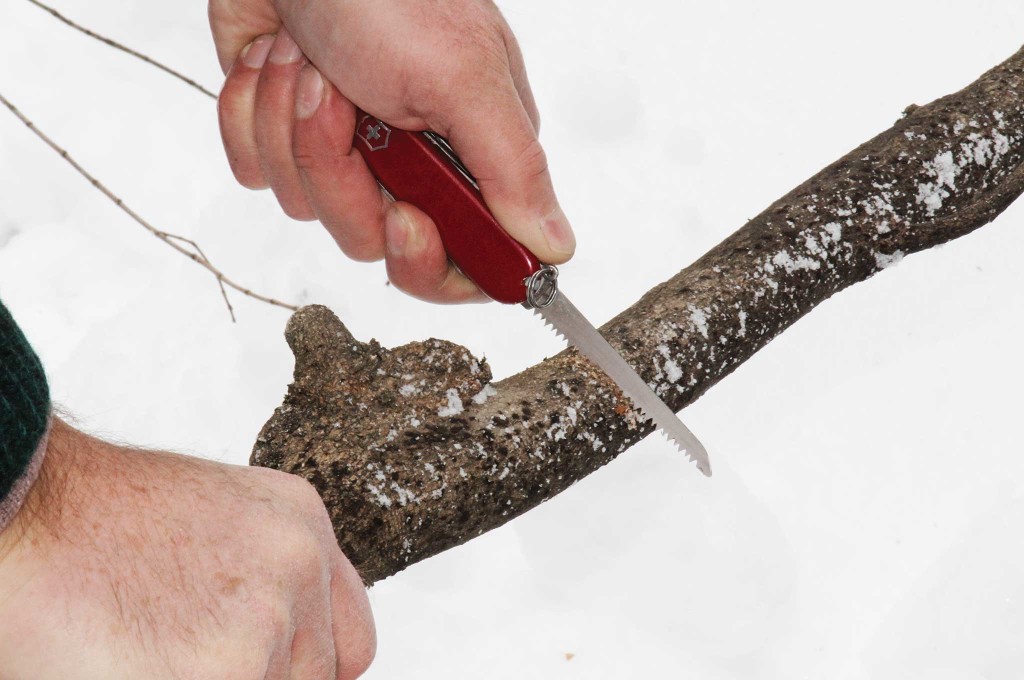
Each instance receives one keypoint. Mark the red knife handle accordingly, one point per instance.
(418, 169)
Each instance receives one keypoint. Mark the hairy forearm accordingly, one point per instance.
(52, 496)
(125, 563)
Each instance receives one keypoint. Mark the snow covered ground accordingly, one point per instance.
(866, 514)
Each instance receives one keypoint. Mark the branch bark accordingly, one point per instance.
(414, 451)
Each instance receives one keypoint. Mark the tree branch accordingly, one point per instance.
(410, 464)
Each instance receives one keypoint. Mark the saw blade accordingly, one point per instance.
(572, 326)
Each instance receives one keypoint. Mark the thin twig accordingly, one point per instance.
(123, 48)
(220, 280)
(198, 255)
(182, 244)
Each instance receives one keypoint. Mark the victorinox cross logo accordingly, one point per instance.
(374, 132)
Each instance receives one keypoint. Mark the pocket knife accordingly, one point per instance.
(421, 168)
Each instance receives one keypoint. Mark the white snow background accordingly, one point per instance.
(866, 514)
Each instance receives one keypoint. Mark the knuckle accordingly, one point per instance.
(315, 147)
(298, 211)
(247, 171)
(321, 524)
(302, 554)
(359, 655)
(304, 494)
(536, 118)
(243, 666)
(485, 66)
(360, 253)
(249, 178)
(307, 157)
(270, 96)
(326, 665)
(405, 279)
(475, 47)
(228, 104)
(531, 162)
(365, 253)
(223, 102)
(316, 163)
(360, 249)
(310, 506)
(248, 655)
(483, 22)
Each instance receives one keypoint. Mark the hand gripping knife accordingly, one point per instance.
(422, 169)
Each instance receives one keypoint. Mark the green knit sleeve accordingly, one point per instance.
(24, 402)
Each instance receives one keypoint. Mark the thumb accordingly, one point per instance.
(498, 143)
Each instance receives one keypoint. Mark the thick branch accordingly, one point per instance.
(410, 465)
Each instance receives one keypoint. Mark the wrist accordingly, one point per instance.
(11, 503)
(34, 499)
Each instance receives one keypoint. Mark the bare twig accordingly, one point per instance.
(182, 244)
(220, 280)
(123, 48)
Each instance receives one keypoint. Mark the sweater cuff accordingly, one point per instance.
(15, 498)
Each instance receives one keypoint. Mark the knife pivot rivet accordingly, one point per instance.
(542, 287)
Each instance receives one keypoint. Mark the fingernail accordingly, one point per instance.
(255, 53)
(285, 50)
(396, 232)
(558, 233)
(309, 92)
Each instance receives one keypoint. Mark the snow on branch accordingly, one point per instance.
(414, 450)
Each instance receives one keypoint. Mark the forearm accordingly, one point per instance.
(128, 563)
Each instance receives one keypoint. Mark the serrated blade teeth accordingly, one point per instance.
(553, 327)
(569, 324)
(702, 465)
